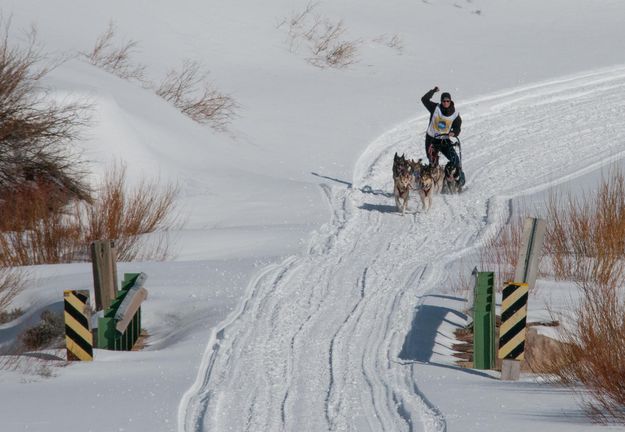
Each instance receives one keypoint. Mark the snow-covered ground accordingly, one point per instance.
(299, 299)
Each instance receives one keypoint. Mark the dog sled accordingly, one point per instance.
(454, 176)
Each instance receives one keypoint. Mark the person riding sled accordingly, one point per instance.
(445, 122)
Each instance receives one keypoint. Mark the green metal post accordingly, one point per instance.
(484, 322)
(108, 336)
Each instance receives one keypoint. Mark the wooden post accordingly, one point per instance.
(510, 370)
(104, 260)
(531, 247)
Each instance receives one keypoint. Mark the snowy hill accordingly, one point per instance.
(297, 288)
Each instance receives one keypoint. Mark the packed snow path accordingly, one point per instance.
(315, 345)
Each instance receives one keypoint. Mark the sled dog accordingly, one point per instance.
(438, 177)
(417, 168)
(399, 163)
(425, 190)
(403, 179)
(431, 183)
(451, 185)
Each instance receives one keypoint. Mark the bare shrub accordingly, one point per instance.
(11, 284)
(297, 25)
(116, 59)
(189, 90)
(586, 236)
(35, 132)
(125, 215)
(462, 286)
(586, 243)
(323, 37)
(328, 47)
(593, 351)
(49, 236)
(48, 333)
(10, 315)
(41, 231)
(395, 42)
(501, 252)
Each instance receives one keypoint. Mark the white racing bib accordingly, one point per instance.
(441, 124)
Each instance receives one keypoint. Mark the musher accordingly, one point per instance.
(445, 122)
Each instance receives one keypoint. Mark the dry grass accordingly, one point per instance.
(44, 235)
(116, 59)
(189, 90)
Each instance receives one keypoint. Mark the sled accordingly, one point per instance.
(451, 185)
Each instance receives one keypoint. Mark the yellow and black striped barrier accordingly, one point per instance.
(513, 320)
(78, 338)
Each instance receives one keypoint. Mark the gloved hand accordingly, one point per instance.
(435, 89)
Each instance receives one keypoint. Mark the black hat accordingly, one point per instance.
(445, 95)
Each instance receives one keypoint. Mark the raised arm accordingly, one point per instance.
(429, 105)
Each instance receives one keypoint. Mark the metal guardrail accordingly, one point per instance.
(120, 327)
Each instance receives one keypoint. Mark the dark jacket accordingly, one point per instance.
(456, 126)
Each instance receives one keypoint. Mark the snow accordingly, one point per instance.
(299, 299)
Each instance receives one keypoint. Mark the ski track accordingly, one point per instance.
(315, 344)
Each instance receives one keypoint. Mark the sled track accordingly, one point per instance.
(315, 344)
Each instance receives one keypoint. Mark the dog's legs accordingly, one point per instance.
(397, 203)
(425, 201)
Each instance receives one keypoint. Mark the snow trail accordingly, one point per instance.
(316, 344)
